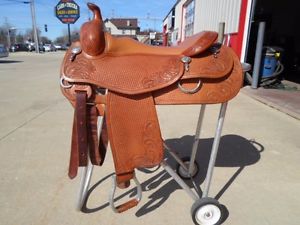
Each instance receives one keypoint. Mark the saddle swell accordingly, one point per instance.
(122, 80)
(91, 33)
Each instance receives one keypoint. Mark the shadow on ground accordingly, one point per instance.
(234, 151)
(9, 61)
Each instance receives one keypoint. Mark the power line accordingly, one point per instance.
(8, 3)
(15, 1)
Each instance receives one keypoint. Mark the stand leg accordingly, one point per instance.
(197, 138)
(181, 183)
(214, 150)
(87, 174)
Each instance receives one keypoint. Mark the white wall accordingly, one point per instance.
(115, 31)
(208, 14)
(112, 28)
(178, 21)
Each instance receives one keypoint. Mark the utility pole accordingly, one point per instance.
(34, 27)
(69, 35)
(8, 38)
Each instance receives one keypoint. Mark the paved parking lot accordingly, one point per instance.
(256, 177)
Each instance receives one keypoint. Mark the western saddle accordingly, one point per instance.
(122, 80)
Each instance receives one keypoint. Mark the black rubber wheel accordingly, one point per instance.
(181, 171)
(207, 211)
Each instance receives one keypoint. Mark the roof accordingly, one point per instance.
(124, 23)
(176, 3)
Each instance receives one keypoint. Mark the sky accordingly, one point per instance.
(18, 15)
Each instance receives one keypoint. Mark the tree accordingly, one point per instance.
(64, 39)
(3, 35)
(45, 40)
(20, 38)
(60, 40)
(4, 32)
(29, 34)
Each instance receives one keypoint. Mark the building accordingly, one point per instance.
(242, 19)
(122, 26)
(188, 17)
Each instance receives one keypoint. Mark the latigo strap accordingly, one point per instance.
(85, 136)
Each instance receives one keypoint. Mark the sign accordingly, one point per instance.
(67, 11)
(152, 35)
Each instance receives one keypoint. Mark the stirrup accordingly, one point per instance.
(127, 205)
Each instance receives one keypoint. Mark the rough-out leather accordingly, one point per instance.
(137, 77)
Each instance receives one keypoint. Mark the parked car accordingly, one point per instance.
(18, 48)
(49, 48)
(64, 47)
(58, 47)
(3, 51)
(31, 48)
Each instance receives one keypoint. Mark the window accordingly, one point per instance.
(189, 18)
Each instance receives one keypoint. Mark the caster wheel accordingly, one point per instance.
(207, 211)
(183, 173)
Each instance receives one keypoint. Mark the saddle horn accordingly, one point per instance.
(91, 33)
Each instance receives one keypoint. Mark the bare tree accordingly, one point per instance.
(45, 40)
(3, 35)
(64, 38)
(29, 34)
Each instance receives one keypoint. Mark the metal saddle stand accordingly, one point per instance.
(205, 210)
(204, 207)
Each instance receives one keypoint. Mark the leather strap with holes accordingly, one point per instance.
(79, 143)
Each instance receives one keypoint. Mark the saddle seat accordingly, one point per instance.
(191, 46)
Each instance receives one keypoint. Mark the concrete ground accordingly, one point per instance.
(257, 174)
(285, 99)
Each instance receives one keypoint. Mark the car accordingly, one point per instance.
(18, 48)
(64, 47)
(3, 51)
(31, 48)
(41, 48)
(58, 47)
(49, 48)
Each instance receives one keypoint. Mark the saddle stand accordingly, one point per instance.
(114, 85)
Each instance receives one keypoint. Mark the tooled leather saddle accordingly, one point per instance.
(122, 80)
